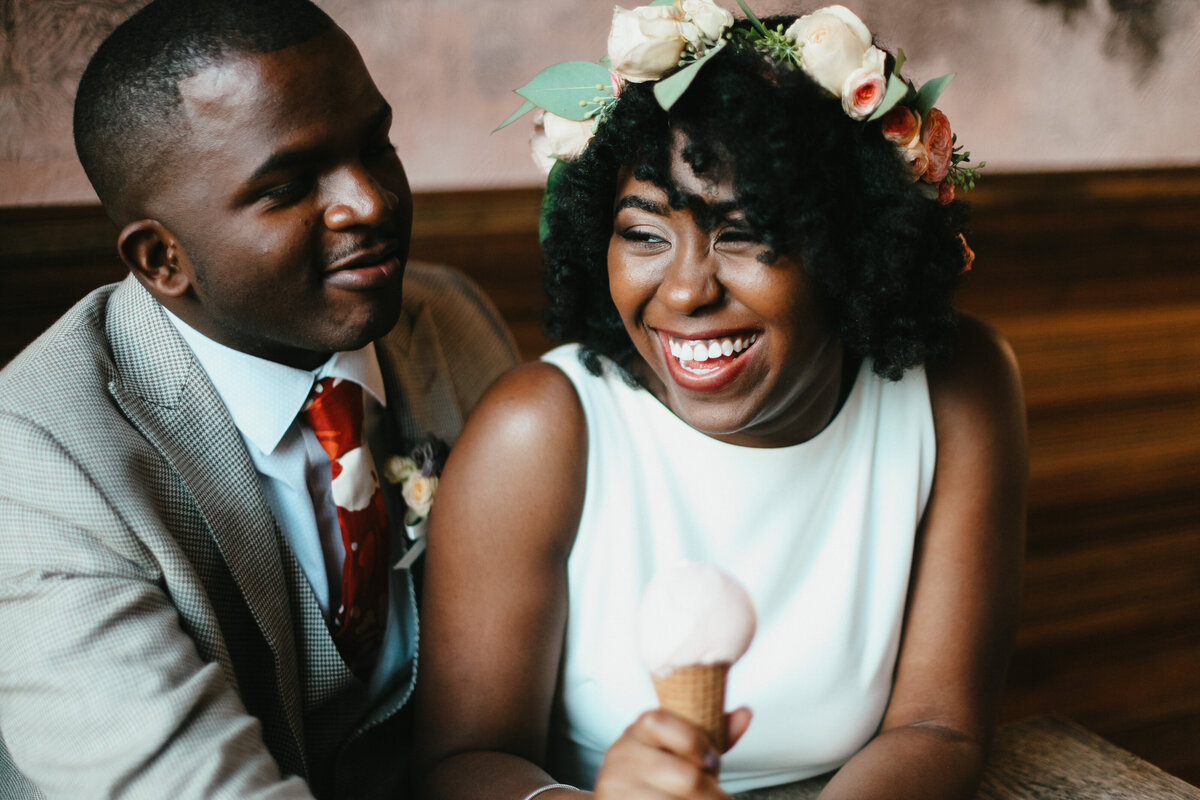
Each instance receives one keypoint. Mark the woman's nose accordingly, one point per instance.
(358, 198)
(690, 282)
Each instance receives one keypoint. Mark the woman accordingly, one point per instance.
(769, 376)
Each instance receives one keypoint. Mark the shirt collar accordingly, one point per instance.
(264, 397)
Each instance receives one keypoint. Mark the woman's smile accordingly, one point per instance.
(706, 363)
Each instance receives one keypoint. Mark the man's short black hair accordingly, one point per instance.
(814, 183)
(126, 108)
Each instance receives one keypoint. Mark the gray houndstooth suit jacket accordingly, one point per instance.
(157, 638)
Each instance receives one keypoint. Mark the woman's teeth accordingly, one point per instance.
(701, 350)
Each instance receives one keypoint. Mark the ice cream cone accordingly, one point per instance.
(696, 693)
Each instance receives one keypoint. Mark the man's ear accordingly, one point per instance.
(155, 256)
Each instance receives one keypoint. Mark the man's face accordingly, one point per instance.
(289, 206)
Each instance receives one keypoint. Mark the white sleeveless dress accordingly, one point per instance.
(820, 533)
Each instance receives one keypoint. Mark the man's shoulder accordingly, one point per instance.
(447, 290)
(462, 314)
(71, 361)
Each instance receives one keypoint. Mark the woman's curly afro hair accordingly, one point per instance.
(828, 190)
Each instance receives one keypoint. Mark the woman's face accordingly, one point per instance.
(735, 347)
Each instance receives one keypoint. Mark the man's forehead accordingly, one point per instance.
(323, 69)
(230, 82)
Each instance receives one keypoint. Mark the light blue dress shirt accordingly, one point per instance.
(264, 398)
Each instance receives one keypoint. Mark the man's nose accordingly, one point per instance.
(357, 197)
(690, 282)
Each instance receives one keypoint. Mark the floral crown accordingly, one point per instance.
(669, 41)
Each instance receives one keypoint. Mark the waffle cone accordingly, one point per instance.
(697, 694)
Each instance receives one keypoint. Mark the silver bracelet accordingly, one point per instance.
(536, 792)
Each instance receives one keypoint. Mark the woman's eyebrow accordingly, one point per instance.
(635, 201)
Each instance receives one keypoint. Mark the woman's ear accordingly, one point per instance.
(155, 257)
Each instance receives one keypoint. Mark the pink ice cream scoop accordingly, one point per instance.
(694, 622)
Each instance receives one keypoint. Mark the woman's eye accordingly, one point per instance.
(641, 236)
(738, 236)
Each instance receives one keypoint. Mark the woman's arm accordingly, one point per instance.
(964, 594)
(494, 601)
(494, 611)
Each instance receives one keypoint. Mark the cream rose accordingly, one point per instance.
(556, 137)
(862, 93)
(833, 43)
(418, 492)
(399, 468)
(708, 17)
(939, 143)
(646, 42)
(567, 137)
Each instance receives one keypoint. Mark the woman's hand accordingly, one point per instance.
(663, 755)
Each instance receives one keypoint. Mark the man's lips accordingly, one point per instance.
(369, 268)
(366, 257)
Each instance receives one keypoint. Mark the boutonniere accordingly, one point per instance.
(417, 474)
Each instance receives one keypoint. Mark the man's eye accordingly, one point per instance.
(286, 192)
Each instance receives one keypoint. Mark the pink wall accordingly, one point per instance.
(1039, 86)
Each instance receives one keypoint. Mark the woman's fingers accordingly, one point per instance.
(660, 756)
(736, 721)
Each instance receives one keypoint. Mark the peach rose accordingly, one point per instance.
(901, 125)
(862, 93)
(916, 158)
(939, 143)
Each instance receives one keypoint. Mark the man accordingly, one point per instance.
(197, 592)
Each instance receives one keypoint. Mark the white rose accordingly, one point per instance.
(398, 468)
(539, 149)
(567, 137)
(833, 43)
(556, 137)
(646, 42)
(874, 60)
(711, 19)
(418, 492)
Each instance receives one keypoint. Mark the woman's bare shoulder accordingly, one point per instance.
(521, 461)
(533, 404)
(981, 377)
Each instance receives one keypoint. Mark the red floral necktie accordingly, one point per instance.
(335, 412)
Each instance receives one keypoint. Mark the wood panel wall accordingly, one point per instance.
(1095, 279)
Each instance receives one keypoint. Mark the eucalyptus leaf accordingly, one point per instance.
(663, 3)
(668, 90)
(525, 108)
(569, 89)
(928, 94)
(900, 59)
(897, 88)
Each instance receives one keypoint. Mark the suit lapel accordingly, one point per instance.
(165, 393)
